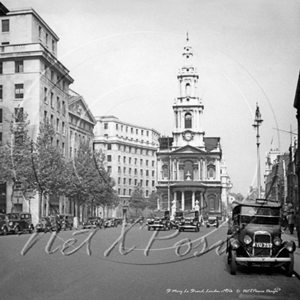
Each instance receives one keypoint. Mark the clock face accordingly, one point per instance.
(187, 135)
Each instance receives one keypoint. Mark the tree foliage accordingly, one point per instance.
(137, 200)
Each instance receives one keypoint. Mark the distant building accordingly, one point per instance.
(189, 164)
(130, 152)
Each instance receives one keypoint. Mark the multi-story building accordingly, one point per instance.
(189, 164)
(34, 81)
(130, 154)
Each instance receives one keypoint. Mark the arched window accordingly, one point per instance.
(212, 203)
(211, 171)
(165, 172)
(188, 120)
(187, 89)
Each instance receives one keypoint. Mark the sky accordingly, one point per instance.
(124, 57)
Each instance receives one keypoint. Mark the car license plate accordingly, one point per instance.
(262, 245)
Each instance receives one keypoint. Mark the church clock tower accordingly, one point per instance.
(188, 107)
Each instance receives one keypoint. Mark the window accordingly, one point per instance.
(135, 171)
(46, 39)
(1, 92)
(63, 127)
(141, 171)
(129, 181)
(70, 151)
(153, 173)
(57, 125)
(147, 182)
(45, 116)
(135, 161)
(129, 192)
(147, 173)
(153, 163)
(130, 160)
(109, 169)
(117, 127)
(53, 46)
(141, 162)
(124, 170)
(1, 138)
(105, 126)
(63, 149)
(51, 100)
(119, 170)
(142, 132)
(1, 117)
(188, 120)
(119, 180)
(52, 120)
(19, 91)
(19, 114)
(147, 162)
(153, 183)
(19, 66)
(45, 95)
(109, 147)
(124, 192)
(119, 158)
(108, 157)
(64, 108)
(40, 31)
(165, 171)
(124, 181)
(129, 171)
(1, 67)
(147, 193)
(57, 143)
(58, 104)
(211, 171)
(5, 25)
(124, 159)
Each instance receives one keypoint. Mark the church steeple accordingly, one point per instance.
(188, 107)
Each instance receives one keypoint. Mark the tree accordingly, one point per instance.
(152, 201)
(88, 181)
(16, 155)
(137, 200)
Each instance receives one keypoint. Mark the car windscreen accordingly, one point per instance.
(268, 220)
(13, 216)
(159, 215)
(260, 211)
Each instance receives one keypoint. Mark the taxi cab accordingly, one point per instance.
(254, 237)
(159, 220)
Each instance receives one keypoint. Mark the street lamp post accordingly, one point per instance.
(257, 123)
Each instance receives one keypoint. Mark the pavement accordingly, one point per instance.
(286, 236)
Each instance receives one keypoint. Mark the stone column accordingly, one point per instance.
(182, 201)
(203, 170)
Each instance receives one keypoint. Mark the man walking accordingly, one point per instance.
(291, 222)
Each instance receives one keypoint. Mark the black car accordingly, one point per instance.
(3, 224)
(19, 222)
(159, 220)
(189, 221)
(48, 224)
(254, 237)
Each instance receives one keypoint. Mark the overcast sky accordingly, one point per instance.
(124, 57)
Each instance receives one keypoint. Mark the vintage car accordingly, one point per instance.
(19, 222)
(212, 221)
(3, 224)
(189, 220)
(110, 223)
(254, 237)
(92, 222)
(66, 222)
(159, 220)
(50, 224)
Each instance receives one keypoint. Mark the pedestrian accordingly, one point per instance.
(291, 222)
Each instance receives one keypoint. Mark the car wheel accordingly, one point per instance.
(289, 266)
(229, 257)
(233, 265)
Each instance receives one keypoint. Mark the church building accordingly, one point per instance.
(189, 164)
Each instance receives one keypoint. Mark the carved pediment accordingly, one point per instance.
(78, 107)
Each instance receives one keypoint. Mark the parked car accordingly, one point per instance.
(19, 222)
(212, 221)
(48, 224)
(3, 224)
(110, 223)
(66, 222)
(159, 220)
(255, 237)
(190, 221)
(92, 222)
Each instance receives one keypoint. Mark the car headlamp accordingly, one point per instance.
(277, 241)
(247, 239)
(11, 223)
(234, 244)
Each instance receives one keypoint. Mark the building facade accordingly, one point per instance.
(130, 152)
(188, 163)
(34, 81)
